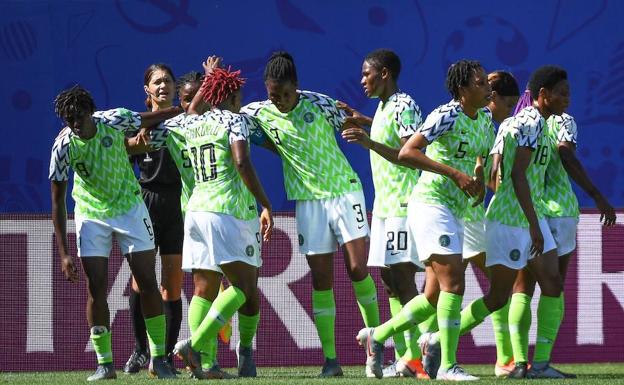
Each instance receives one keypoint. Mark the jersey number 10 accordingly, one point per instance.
(201, 175)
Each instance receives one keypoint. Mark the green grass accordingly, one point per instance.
(591, 374)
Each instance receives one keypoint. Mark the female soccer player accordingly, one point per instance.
(562, 214)
(396, 119)
(107, 203)
(455, 137)
(517, 233)
(161, 188)
(330, 204)
(222, 234)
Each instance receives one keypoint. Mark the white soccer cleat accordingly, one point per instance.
(374, 351)
(455, 373)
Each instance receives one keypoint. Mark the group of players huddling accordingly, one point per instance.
(430, 179)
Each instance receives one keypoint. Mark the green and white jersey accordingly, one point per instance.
(314, 166)
(456, 141)
(477, 214)
(397, 118)
(526, 129)
(173, 131)
(558, 194)
(218, 186)
(104, 184)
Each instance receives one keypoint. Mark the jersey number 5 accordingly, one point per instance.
(461, 151)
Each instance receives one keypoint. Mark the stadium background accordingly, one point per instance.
(105, 46)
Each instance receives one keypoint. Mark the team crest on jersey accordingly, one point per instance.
(300, 240)
(308, 117)
(107, 141)
(444, 240)
(249, 250)
(514, 255)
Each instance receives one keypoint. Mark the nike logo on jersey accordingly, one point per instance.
(360, 226)
(395, 252)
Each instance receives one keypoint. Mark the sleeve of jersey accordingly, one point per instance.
(528, 129)
(59, 161)
(408, 117)
(334, 115)
(238, 129)
(256, 135)
(567, 129)
(160, 133)
(119, 118)
(499, 141)
(439, 121)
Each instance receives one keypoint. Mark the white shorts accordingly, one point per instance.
(474, 239)
(435, 230)
(391, 243)
(213, 239)
(133, 231)
(563, 230)
(321, 223)
(510, 245)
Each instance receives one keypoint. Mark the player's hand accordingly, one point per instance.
(211, 63)
(69, 268)
(266, 223)
(467, 184)
(355, 118)
(142, 138)
(607, 212)
(537, 240)
(357, 135)
(481, 195)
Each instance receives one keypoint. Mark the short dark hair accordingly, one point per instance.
(71, 100)
(545, 77)
(459, 74)
(381, 58)
(281, 68)
(189, 77)
(503, 83)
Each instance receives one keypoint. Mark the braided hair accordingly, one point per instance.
(459, 75)
(281, 68)
(220, 84)
(72, 100)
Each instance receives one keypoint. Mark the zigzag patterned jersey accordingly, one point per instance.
(104, 184)
(526, 129)
(397, 118)
(558, 194)
(456, 141)
(314, 166)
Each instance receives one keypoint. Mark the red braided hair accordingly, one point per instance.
(220, 84)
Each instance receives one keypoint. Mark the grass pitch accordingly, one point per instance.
(590, 374)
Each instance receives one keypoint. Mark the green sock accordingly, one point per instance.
(449, 319)
(414, 312)
(473, 315)
(247, 326)
(548, 322)
(156, 331)
(500, 319)
(399, 339)
(101, 340)
(222, 309)
(198, 308)
(430, 325)
(366, 295)
(519, 325)
(324, 309)
(411, 340)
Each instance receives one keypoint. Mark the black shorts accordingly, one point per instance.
(166, 214)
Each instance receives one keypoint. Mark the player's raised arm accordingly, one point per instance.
(199, 105)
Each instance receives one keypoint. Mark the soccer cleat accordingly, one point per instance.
(158, 368)
(103, 372)
(519, 371)
(216, 373)
(331, 368)
(389, 371)
(191, 358)
(171, 363)
(411, 368)
(246, 363)
(547, 371)
(137, 360)
(455, 373)
(431, 353)
(502, 371)
(374, 351)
